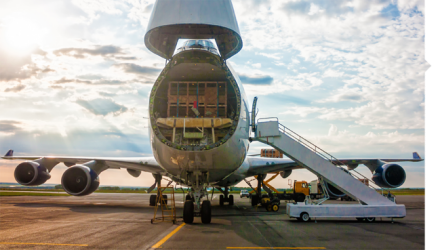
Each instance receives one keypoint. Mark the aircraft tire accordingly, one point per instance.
(231, 200)
(165, 197)
(188, 212)
(206, 212)
(188, 197)
(254, 200)
(153, 200)
(221, 200)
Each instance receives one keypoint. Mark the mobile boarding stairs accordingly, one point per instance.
(371, 203)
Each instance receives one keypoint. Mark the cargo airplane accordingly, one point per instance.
(199, 117)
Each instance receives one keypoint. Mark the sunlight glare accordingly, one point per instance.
(22, 36)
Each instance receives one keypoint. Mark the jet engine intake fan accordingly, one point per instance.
(80, 180)
(31, 173)
(389, 176)
(285, 173)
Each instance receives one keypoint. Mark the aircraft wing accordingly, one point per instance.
(263, 165)
(372, 164)
(147, 164)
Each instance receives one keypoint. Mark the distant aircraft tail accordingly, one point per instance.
(10, 153)
(416, 156)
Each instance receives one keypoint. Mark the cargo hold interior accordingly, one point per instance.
(195, 104)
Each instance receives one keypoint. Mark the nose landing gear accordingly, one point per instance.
(192, 206)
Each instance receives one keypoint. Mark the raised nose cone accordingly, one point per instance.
(193, 19)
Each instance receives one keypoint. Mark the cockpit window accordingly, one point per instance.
(191, 43)
(198, 44)
(209, 44)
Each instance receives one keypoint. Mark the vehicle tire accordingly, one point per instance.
(304, 217)
(165, 197)
(268, 208)
(221, 200)
(275, 207)
(153, 200)
(188, 212)
(370, 219)
(360, 219)
(254, 200)
(206, 212)
(231, 200)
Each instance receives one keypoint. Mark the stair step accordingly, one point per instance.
(303, 151)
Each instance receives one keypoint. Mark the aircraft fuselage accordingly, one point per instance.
(199, 117)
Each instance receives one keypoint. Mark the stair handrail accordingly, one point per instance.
(323, 153)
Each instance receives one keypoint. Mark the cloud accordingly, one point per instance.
(303, 81)
(256, 65)
(137, 69)
(15, 67)
(67, 80)
(333, 130)
(272, 55)
(98, 50)
(91, 82)
(17, 88)
(102, 106)
(298, 7)
(256, 79)
(349, 94)
(7, 126)
(377, 115)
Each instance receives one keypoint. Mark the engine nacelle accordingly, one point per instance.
(389, 176)
(80, 180)
(333, 191)
(31, 173)
(285, 173)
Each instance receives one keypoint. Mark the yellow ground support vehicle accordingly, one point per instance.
(300, 190)
(271, 201)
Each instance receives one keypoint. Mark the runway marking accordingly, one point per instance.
(44, 244)
(275, 248)
(164, 239)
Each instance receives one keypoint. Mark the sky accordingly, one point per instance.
(348, 75)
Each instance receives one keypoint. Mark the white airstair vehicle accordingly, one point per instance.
(372, 204)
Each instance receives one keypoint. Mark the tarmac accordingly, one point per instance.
(123, 221)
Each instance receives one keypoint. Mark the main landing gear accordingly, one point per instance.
(153, 197)
(224, 197)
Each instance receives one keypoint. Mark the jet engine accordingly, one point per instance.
(80, 180)
(333, 191)
(389, 176)
(31, 173)
(285, 173)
